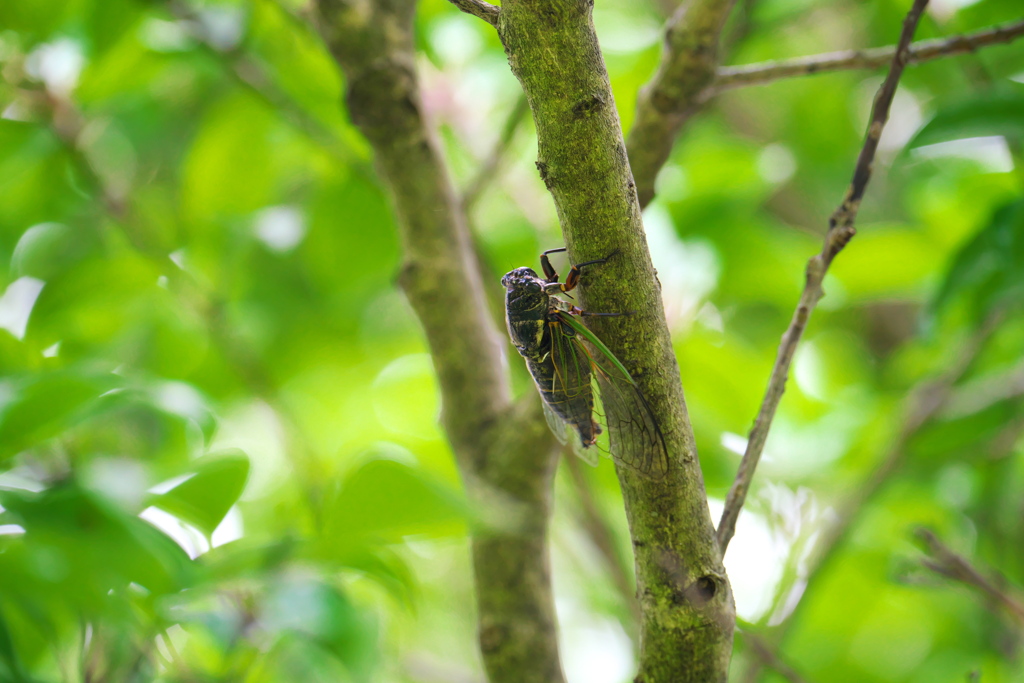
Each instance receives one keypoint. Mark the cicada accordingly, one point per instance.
(577, 375)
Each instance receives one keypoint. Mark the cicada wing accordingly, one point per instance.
(570, 397)
(568, 437)
(557, 425)
(634, 436)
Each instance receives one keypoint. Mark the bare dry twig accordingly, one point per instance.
(926, 401)
(730, 77)
(767, 655)
(599, 530)
(951, 565)
(479, 8)
(841, 231)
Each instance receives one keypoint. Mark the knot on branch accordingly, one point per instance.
(586, 107)
(815, 269)
(542, 167)
(492, 637)
(697, 592)
(840, 237)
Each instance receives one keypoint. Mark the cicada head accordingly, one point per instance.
(520, 279)
(524, 289)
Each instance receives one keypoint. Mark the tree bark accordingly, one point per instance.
(689, 61)
(685, 597)
(505, 452)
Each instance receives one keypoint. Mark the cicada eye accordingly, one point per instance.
(533, 287)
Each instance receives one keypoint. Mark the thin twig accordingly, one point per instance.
(729, 77)
(689, 62)
(840, 232)
(488, 170)
(926, 401)
(951, 565)
(479, 8)
(769, 657)
(599, 531)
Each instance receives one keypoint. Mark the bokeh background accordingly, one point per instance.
(219, 450)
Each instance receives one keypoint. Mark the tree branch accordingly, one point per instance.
(666, 103)
(730, 77)
(600, 533)
(505, 452)
(951, 565)
(767, 655)
(488, 169)
(479, 8)
(685, 599)
(926, 401)
(840, 232)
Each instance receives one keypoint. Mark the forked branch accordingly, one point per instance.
(504, 450)
(841, 230)
(688, 64)
(951, 565)
(479, 8)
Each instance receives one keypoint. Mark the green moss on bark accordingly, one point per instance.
(685, 598)
(505, 452)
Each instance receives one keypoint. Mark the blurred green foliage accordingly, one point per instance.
(219, 453)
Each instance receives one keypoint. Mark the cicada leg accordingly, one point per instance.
(573, 278)
(576, 310)
(545, 263)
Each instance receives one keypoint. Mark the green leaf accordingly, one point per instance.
(15, 356)
(93, 301)
(48, 404)
(1000, 113)
(204, 499)
(989, 270)
(87, 549)
(323, 614)
(44, 250)
(10, 664)
(388, 500)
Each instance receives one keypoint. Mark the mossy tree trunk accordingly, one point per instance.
(685, 599)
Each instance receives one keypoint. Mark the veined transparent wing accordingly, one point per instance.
(634, 436)
(567, 437)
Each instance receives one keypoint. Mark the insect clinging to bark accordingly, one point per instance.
(577, 375)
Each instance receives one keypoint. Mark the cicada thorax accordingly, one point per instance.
(526, 311)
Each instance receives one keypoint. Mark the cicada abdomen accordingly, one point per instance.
(564, 381)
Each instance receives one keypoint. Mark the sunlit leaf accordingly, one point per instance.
(389, 500)
(989, 269)
(77, 542)
(46, 404)
(93, 301)
(204, 498)
(46, 249)
(998, 113)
